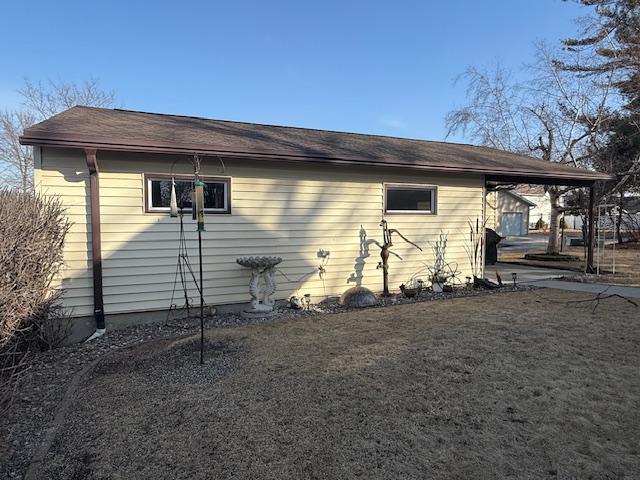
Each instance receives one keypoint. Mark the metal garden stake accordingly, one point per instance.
(199, 207)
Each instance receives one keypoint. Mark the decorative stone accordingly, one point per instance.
(358, 297)
(261, 286)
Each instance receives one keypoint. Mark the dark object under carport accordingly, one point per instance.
(491, 246)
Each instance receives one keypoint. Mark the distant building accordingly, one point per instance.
(540, 198)
(508, 213)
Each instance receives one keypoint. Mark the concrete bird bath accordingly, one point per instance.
(261, 286)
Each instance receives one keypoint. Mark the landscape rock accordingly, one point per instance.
(358, 297)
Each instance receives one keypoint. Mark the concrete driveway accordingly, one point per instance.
(534, 242)
(527, 243)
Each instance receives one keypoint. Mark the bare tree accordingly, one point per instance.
(16, 161)
(39, 102)
(48, 99)
(553, 114)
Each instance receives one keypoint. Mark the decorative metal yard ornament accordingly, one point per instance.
(197, 208)
(387, 234)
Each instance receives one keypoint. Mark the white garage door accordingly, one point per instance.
(511, 224)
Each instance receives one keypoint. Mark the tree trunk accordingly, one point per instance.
(554, 199)
(619, 221)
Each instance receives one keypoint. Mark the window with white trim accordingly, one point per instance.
(158, 193)
(405, 198)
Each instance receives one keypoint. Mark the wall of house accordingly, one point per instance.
(542, 208)
(292, 211)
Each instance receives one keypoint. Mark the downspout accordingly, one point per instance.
(96, 243)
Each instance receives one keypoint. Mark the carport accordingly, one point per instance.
(581, 179)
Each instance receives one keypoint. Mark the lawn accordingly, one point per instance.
(513, 385)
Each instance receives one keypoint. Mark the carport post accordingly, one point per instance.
(591, 232)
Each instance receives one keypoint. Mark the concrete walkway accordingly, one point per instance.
(546, 277)
(595, 288)
(524, 273)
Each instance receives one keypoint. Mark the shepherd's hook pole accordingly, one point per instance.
(201, 300)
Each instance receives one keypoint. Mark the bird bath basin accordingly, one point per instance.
(261, 286)
(259, 262)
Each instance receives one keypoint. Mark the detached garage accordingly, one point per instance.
(316, 199)
(508, 213)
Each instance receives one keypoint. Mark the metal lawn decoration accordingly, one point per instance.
(606, 221)
(387, 234)
(197, 207)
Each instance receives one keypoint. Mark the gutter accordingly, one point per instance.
(96, 243)
(569, 178)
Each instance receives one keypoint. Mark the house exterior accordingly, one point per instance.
(542, 209)
(508, 213)
(314, 198)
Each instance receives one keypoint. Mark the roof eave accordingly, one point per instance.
(569, 178)
(520, 198)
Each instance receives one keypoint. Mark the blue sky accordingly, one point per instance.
(385, 67)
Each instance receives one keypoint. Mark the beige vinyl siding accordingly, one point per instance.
(281, 209)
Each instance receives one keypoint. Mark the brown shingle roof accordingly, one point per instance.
(530, 189)
(139, 131)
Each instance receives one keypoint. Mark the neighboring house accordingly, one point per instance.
(540, 198)
(271, 190)
(508, 213)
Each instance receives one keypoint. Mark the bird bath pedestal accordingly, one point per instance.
(261, 286)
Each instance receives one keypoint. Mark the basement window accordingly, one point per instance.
(406, 198)
(158, 193)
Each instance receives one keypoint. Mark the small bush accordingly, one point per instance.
(630, 224)
(32, 232)
(541, 224)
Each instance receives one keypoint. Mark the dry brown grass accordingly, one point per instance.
(518, 385)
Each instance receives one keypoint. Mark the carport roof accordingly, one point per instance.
(126, 130)
(520, 198)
